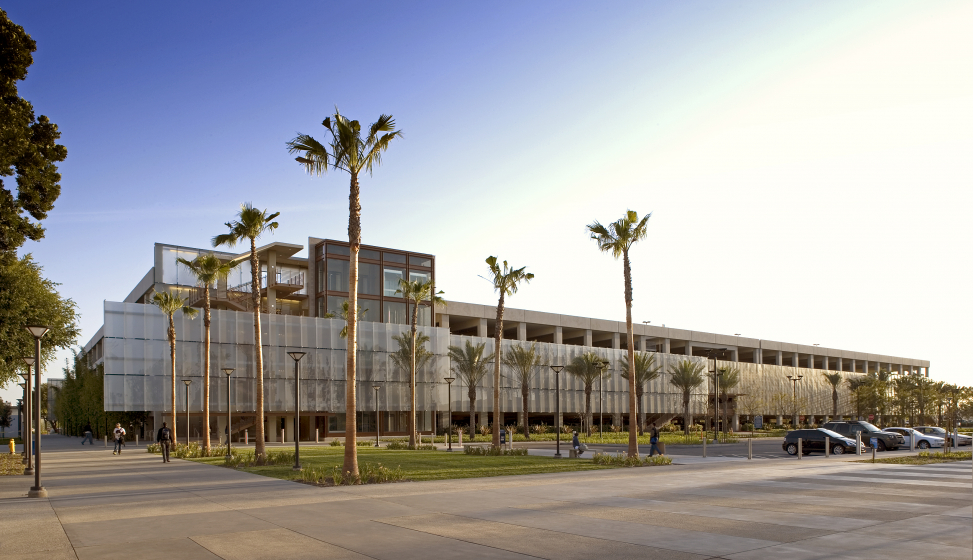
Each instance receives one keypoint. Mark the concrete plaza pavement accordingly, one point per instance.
(134, 506)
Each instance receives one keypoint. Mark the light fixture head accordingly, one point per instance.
(296, 355)
(228, 371)
(25, 376)
(29, 360)
(37, 330)
(187, 381)
(736, 334)
(376, 387)
(449, 379)
(557, 369)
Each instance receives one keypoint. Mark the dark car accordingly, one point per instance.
(813, 440)
(886, 440)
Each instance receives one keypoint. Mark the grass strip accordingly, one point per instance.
(924, 458)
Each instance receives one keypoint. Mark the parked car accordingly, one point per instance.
(813, 440)
(923, 441)
(941, 433)
(886, 440)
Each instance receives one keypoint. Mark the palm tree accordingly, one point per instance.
(251, 223)
(418, 293)
(617, 238)
(348, 151)
(523, 361)
(645, 371)
(208, 270)
(343, 315)
(169, 303)
(686, 376)
(729, 378)
(588, 368)
(468, 364)
(834, 379)
(858, 386)
(506, 281)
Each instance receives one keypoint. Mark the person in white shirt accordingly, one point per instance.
(119, 434)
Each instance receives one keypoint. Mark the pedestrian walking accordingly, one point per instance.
(654, 440)
(119, 434)
(87, 434)
(164, 437)
(578, 446)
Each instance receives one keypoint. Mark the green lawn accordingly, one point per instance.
(668, 438)
(424, 465)
(925, 458)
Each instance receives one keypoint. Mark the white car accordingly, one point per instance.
(923, 441)
(936, 431)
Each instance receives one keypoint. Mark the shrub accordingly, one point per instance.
(540, 428)
(621, 460)
(368, 474)
(337, 443)
(400, 444)
(493, 451)
(486, 430)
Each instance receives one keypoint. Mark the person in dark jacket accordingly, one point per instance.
(87, 434)
(654, 440)
(164, 437)
(576, 444)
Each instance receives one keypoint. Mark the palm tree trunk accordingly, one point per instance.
(498, 336)
(351, 417)
(587, 407)
(172, 360)
(686, 418)
(206, 325)
(633, 437)
(472, 395)
(640, 416)
(412, 380)
(525, 391)
(260, 448)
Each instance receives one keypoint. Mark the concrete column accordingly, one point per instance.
(643, 344)
(220, 429)
(271, 275)
(794, 359)
(810, 361)
(444, 321)
(865, 366)
(689, 348)
(825, 364)
(841, 364)
(289, 428)
(666, 347)
(587, 338)
(481, 330)
(735, 355)
(616, 341)
(522, 331)
(273, 425)
(780, 358)
(736, 422)
(900, 369)
(853, 365)
(558, 339)
(780, 420)
(758, 356)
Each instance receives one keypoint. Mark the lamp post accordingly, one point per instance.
(27, 433)
(711, 363)
(229, 419)
(377, 427)
(187, 382)
(602, 366)
(557, 406)
(37, 491)
(794, 379)
(449, 423)
(296, 356)
(20, 414)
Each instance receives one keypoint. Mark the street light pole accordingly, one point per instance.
(449, 423)
(557, 406)
(794, 379)
(229, 419)
(296, 356)
(27, 433)
(186, 382)
(602, 366)
(37, 491)
(378, 428)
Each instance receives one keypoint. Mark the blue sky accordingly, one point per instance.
(806, 163)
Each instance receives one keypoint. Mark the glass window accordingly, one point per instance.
(369, 254)
(337, 275)
(320, 283)
(395, 312)
(338, 250)
(425, 314)
(334, 305)
(373, 310)
(420, 261)
(394, 257)
(417, 275)
(391, 282)
(320, 307)
(369, 279)
(319, 250)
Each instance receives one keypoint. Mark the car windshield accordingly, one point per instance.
(830, 433)
(937, 430)
(869, 427)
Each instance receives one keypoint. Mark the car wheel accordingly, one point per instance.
(838, 450)
(881, 445)
(923, 444)
(791, 449)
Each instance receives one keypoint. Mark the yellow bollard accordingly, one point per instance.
(13, 447)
